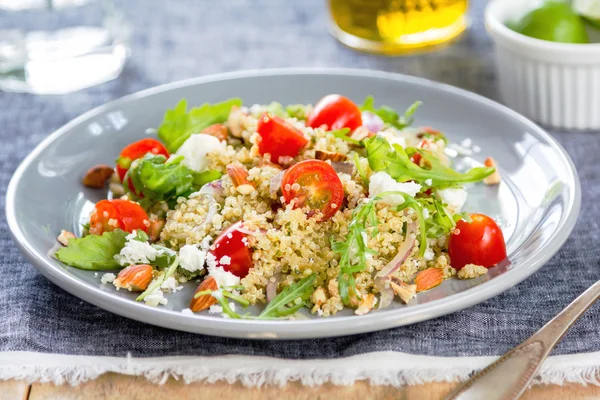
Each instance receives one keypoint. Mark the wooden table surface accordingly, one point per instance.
(114, 386)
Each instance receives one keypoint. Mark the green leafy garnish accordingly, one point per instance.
(389, 115)
(159, 281)
(397, 163)
(343, 135)
(290, 300)
(179, 124)
(94, 252)
(361, 172)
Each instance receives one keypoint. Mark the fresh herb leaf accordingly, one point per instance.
(141, 236)
(202, 178)
(94, 252)
(159, 281)
(389, 115)
(397, 163)
(179, 124)
(343, 135)
(297, 294)
(160, 179)
(361, 172)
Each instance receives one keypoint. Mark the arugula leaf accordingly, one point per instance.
(160, 179)
(297, 293)
(202, 178)
(343, 134)
(178, 124)
(94, 252)
(389, 115)
(395, 161)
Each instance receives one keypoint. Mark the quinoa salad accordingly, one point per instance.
(293, 207)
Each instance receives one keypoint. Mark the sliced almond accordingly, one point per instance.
(205, 301)
(135, 278)
(428, 279)
(219, 131)
(155, 228)
(366, 304)
(494, 178)
(65, 237)
(403, 290)
(97, 176)
(239, 177)
(328, 155)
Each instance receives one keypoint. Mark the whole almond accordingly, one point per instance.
(239, 177)
(428, 279)
(97, 176)
(135, 278)
(217, 130)
(203, 302)
(328, 155)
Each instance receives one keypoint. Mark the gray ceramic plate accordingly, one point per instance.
(536, 204)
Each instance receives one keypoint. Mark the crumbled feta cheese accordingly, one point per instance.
(215, 309)
(428, 182)
(155, 298)
(429, 254)
(108, 278)
(225, 260)
(454, 197)
(211, 261)
(171, 284)
(382, 182)
(393, 138)
(191, 258)
(466, 143)
(136, 252)
(223, 278)
(476, 149)
(195, 149)
(95, 274)
(187, 311)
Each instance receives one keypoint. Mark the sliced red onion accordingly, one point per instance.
(214, 188)
(271, 288)
(403, 252)
(276, 183)
(387, 293)
(342, 167)
(372, 121)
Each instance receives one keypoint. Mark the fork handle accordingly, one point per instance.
(511, 374)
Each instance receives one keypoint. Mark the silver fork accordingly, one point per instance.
(511, 374)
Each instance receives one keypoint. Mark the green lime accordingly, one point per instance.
(589, 9)
(554, 21)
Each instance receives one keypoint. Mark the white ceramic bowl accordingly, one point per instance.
(556, 84)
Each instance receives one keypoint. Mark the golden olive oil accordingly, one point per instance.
(397, 26)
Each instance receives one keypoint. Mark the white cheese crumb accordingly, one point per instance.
(393, 138)
(95, 274)
(225, 260)
(454, 197)
(476, 149)
(155, 298)
(136, 252)
(195, 149)
(171, 284)
(215, 309)
(187, 311)
(191, 258)
(223, 278)
(429, 254)
(381, 182)
(108, 278)
(466, 143)
(428, 182)
(211, 261)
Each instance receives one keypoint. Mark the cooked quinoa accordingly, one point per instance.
(357, 251)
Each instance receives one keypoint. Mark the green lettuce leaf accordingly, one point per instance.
(389, 115)
(160, 179)
(204, 177)
(178, 124)
(94, 252)
(395, 161)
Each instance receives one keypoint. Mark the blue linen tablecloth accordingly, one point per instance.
(182, 39)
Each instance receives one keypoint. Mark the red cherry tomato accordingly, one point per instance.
(336, 112)
(112, 214)
(313, 183)
(138, 150)
(231, 243)
(278, 137)
(416, 158)
(480, 242)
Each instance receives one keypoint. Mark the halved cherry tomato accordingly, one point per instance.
(416, 158)
(112, 214)
(313, 183)
(278, 137)
(138, 150)
(231, 244)
(336, 112)
(480, 242)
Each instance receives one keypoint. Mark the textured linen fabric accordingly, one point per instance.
(181, 39)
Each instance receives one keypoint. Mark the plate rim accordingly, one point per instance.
(298, 329)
